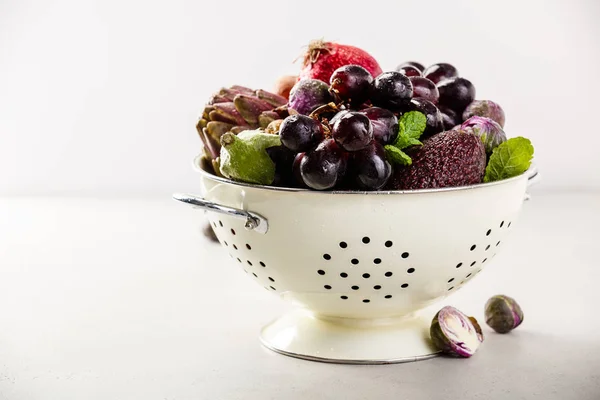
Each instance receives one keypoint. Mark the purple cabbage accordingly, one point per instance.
(308, 94)
(485, 108)
(489, 131)
(503, 313)
(454, 333)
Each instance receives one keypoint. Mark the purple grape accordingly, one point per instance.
(385, 124)
(440, 72)
(296, 170)
(352, 131)
(300, 133)
(449, 117)
(322, 168)
(391, 90)
(370, 167)
(414, 64)
(337, 116)
(423, 88)
(434, 117)
(408, 70)
(351, 83)
(456, 93)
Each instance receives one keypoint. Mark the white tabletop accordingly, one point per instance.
(125, 299)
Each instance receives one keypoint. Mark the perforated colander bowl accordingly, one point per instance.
(359, 265)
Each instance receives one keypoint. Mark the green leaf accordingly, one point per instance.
(396, 155)
(509, 159)
(412, 124)
(404, 141)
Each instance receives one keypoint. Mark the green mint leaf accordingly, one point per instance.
(509, 159)
(404, 141)
(396, 155)
(412, 124)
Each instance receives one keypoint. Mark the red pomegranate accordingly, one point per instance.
(322, 58)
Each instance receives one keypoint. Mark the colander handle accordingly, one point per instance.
(532, 179)
(254, 222)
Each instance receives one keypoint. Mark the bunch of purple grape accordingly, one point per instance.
(345, 148)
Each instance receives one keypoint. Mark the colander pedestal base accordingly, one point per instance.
(350, 341)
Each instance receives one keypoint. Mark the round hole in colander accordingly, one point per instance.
(488, 232)
(256, 276)
(328, 287)
(343, 245)
(249, 262)
(355, 287)
(473, 263)
(366, 240)
(225, 243)
(501, 224)
(326, 256)
(234, 246)
(459, 265)
(344, 297)
(248, 246)
(354, 261)
(487, 247)
(321, 272)
(377, 261)
(404, 285)
(221, 223)
(366, 275)
(377, 287)
(405, 255)
(473, 247)
(272, 287)
(469, 275)
(498, 244)
(450, 288)
(388, 296)
(262, 264)
(508, 226)
(232, 231)
(450, 280)
(484, 260)
(344, 275)
(271, 279)
(389, 243)
(388, 274)
(366, 301)
(410, 270)
(239, 259)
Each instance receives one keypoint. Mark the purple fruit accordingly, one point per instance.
(352, 131)
(456, 93)
(434, 117)
(370, 167)
(485, 108)
(408, 70)
(308, 94)
(324, 167)
(300, 133)
(385, 124)
(351, 83)
(449, 118)
(413, 64)
(423, 88)
(454, 333)
(391, 90)
(440, 72)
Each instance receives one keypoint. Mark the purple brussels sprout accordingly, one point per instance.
(454, 333)
(488, 130)
(503, 313)
(485, 108)
(308, 94)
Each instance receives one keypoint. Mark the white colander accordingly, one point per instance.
(359, 265)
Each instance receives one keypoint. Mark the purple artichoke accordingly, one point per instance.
(308, 94)
(489, 131)
(503, 313)
(485, 108)
(454, 333)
